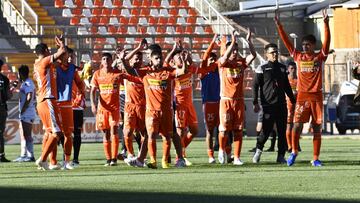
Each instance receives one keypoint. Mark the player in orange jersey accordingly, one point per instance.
(210, 93)
(135, 106)
(232, 107)
(107, 80)
(158, 115)
(45, 76)
(309, 99)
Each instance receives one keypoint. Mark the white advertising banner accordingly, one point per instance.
(12, 131)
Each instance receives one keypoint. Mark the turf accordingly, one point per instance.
(337, 181)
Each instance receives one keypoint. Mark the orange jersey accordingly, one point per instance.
(134, 92)
(45, 76)
(108, 83)
(158, 89)
(78, 97)
(183, 89)
(231, 79)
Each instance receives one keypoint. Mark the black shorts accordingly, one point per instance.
(78, 119)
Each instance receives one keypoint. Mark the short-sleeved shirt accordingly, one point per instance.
(309, 73)
(158, 89)
(45, 76)
(108, 83)
(134, 92)
(27, 87)
(231, 79)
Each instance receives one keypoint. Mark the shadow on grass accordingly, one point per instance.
(54, 195)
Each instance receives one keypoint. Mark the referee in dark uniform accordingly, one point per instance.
(5, 94)
(272, 81)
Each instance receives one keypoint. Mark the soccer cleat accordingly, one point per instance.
(221, 156)
(107, 162)
(238, 162)
(29, 159)
(180, 163)
(113, 162)
(152, 164)
(20, 159)
(212, 160)
(67, 166)
(271, 149)
(54, 167)
(3, 159)
(122, 155)
(280, 160)
(165, 164)
(42, 165)
(75, 163)
(257, 156)
(187, 162)
(316, 163)
(291, 159)
(136, 163)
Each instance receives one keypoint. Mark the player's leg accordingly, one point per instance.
(281, 120)
(114, 133)
(78, 123)
(238, 123)
(152, 123)
(225, 115)
(129, 127)
(68, 128)
(317, 110)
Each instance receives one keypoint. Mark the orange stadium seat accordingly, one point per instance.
(104, 20)
(59, 4)
(160, 30)
(191, 20)
(179, 30)
(106, 12)
(133, 20)
(141, 30)
(151, 20)
(79, 3)
(172, 20)
(137, 3)
(74, 21)
(111, 29)
(98, 3)
(189, 30)
(184, 3)
(117, 3)
(121, 30)
(146, 3)
(155, 3)
(208, 29)
(77, 11)
(94, 20)
(96, 11)
(162, 20)
(145, 12)
(174, 3)
(192, 12)
(93, 29)
(115, 12)
(135, 12)
(123, 20)
(173, 12)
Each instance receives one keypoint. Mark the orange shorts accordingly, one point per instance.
(159, 122)
(67, 117)
(211, 114)
(290, 112)
(134, 116)
(305, 109)
(185, 115)
(107, 119)
(49, 114)
(232, 114)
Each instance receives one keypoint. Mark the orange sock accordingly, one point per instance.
(107, 149)
(317, 145)
(129, 144)
(295, 141)
(114, 146)
(67, 146)
(49, 146)
(152, 149)
(288, 138)
(237, 144)
(210, 153)
(166, 148)
(222, 141)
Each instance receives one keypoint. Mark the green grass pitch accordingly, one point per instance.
(337, 181)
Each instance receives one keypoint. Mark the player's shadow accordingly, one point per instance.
(71, 195)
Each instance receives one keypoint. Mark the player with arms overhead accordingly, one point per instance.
(309, 99)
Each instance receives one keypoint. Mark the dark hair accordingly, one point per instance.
(309, 38)
(270, 45)
(24, 70)
(1, 63)
(69, 50)
(106, 54)
(228, 44)
(154, 47)
(291, 63)
(40, 48)
(212, 55)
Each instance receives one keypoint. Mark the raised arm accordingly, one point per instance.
(204, 60)
(141, 46)
(326, 43)
(288, 44)
(252, 56)
(59, 41)
(228, 51)
(181, 71)
(176, 46)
